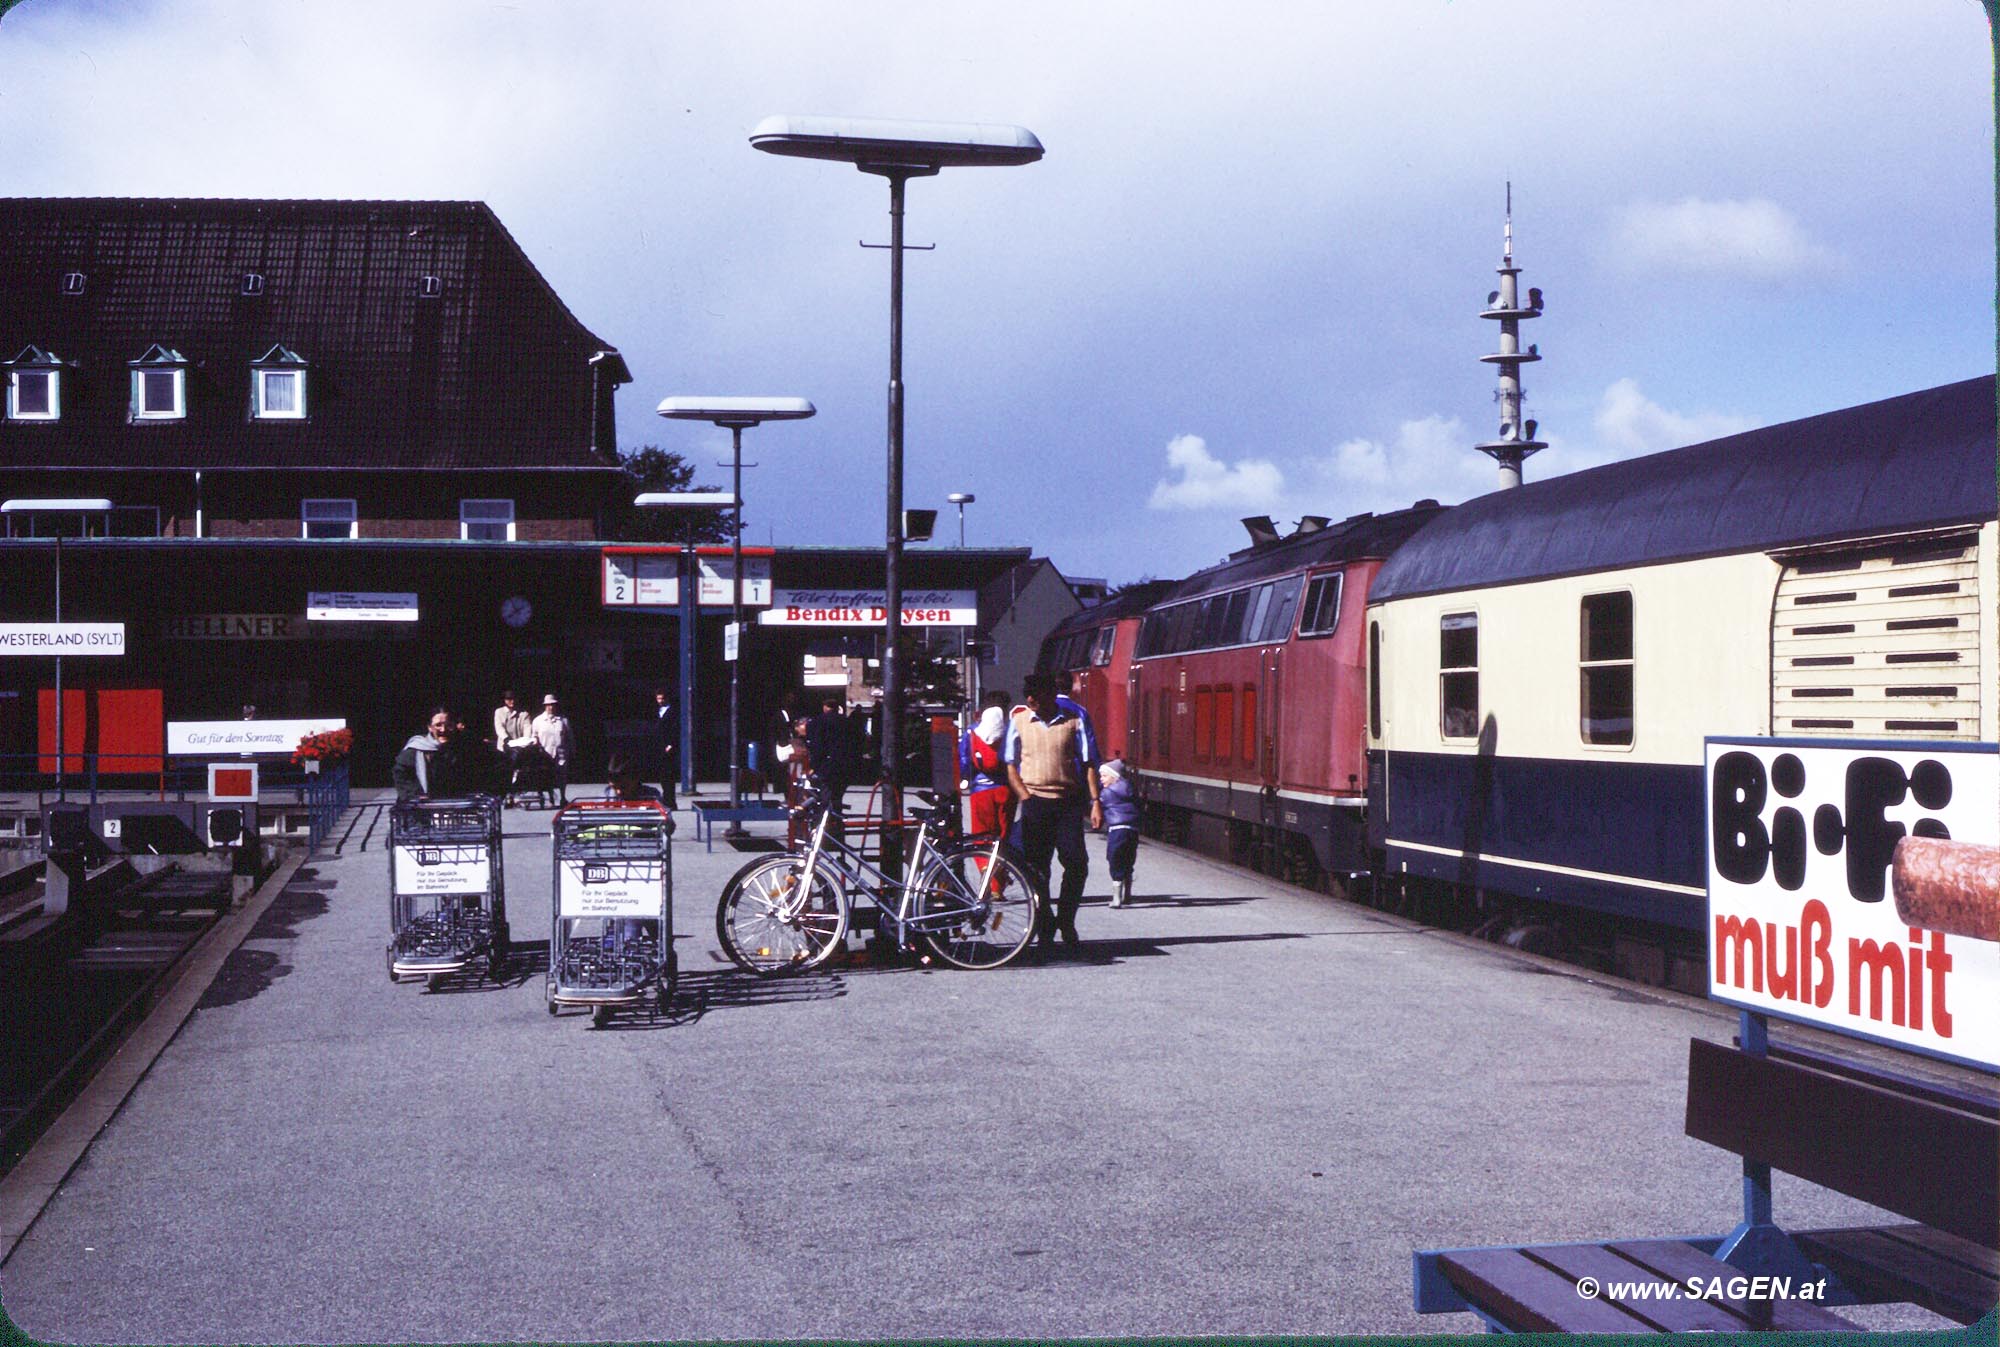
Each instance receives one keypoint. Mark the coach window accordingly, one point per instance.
(1458, 675)
(1605, 668)
(1321, 613)
(1374, 680)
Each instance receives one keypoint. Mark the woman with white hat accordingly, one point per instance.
(551, 730)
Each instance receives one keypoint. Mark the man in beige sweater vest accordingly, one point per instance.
(1052, 758)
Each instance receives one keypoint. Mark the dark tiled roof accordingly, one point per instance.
(493, 372)
(1358, 538)
(1923, 460)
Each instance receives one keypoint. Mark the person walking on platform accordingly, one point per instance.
(551, 730)
(1052, 760)
(666, 739)
(512, 732)
(1121, 828)
(836, 754)
(982, 776)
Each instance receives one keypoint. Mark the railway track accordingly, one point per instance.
(77, 984)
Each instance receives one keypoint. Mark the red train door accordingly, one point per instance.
(1270, 674)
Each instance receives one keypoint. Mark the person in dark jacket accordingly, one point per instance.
(446, 763)
(835, 750)
(1121, 828)
(666, 742)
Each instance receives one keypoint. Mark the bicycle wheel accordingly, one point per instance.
(992, 898)
(772, 921)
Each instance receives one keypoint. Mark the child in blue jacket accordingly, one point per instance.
(1121, 828)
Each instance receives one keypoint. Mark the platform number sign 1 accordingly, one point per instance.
(1800, 919)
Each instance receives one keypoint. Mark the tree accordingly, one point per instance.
(652, 468)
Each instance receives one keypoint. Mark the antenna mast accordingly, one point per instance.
(1517, 438)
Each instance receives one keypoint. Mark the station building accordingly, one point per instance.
(360, 459)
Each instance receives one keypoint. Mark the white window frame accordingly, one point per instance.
(54, 376)
(178, 412)
(1459, 618)
(1337, 581)
(307, 519)
(1629, 662)
(465, 524)
(262, 408)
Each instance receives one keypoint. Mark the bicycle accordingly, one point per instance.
(973, 903)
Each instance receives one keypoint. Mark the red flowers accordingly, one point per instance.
(326, 746)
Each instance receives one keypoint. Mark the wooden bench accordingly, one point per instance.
(1925, 1151)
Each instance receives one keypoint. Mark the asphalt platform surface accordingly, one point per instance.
(1235, 1110)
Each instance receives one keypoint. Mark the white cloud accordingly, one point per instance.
(1430, 456)
(1628, 422)
(1756, 239)
(1206, 482)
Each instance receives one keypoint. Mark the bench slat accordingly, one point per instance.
(1879, 1265)
(1682, 1262)
(1678, 1314)
(1964, 1252)
(1528, 1297)
(1850, 1136)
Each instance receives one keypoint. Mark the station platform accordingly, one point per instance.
(1235, 1109)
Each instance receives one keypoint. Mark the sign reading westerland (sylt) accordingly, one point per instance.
(62, 638)
(1801, 921)
(867, 608)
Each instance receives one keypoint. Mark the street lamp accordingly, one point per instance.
(734, 414)
(897, 151)
(961, 499)
(76, 506)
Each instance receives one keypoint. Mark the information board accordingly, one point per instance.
(1802, 922)
(612, 889)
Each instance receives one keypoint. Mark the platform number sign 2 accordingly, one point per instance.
(1800, 920)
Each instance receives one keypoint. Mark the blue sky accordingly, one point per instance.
(1244, 280)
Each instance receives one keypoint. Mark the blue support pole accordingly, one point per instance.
(690, 579)
(1757, 1245)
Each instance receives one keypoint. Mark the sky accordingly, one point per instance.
(1245, 278)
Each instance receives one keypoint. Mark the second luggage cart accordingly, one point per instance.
(612, 943)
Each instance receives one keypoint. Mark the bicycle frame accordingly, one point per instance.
(856, 872)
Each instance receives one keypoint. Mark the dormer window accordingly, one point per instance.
(34, 386)
(278, 386)
(159, 385)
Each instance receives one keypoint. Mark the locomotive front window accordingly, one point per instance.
(1321, 613)
(1605, 669)
(1278, 622)
(1458, 676)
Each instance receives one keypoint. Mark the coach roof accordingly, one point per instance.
(1923, 460)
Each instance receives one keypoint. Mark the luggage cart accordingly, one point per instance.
(447, 891)
(612, 945)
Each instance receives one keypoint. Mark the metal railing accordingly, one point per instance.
(88, 778)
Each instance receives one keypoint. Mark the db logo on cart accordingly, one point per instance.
(596, 873)
(429, 856)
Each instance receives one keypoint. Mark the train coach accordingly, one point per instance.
(1244, 697)
(1544, 663)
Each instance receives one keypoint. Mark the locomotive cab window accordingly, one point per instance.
(1101, 652)
(1321, 613)
(1458, 675)
(1605, 669)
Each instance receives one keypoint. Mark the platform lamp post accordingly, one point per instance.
(92, 505)
(962, 499)
(897, 151)
(734, 415)
(689, 610)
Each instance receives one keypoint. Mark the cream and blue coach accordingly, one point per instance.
(1545, 662)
